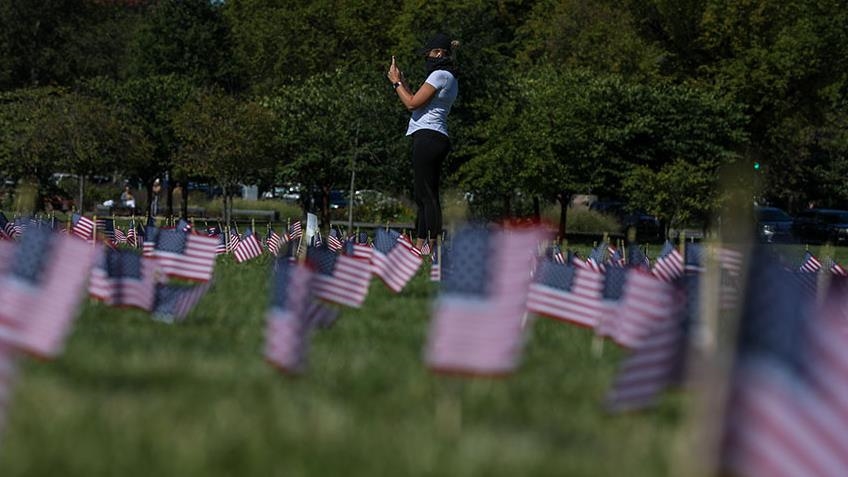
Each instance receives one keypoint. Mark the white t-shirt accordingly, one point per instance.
(434, 115)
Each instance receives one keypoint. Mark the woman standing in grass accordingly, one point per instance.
(428, 127)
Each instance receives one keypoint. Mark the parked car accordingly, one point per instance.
(338, 199)
(822, 225)
(774, 225)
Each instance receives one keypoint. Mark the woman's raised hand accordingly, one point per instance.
(394, 72)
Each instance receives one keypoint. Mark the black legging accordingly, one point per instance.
(429, 149)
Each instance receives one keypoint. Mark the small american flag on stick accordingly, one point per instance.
(393, 260)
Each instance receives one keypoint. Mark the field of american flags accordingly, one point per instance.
(131, 396)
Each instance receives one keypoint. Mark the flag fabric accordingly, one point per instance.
(83, 227)
(645, 302)
(248, 247)
(616, 259)
(151, 234)
(7, 228)
(659, 361)
(566, 292)
(614, 280)
(289, 327)
(835, 268)
(295, 231)
(42, 290)
(334, 243)
(669, 264)
(185, 255)
(393, 260)
(597, 257)
(788, 410)
(636, 258)
(554, 253)
(173, 302)
(359, 247)
(273, 242)
(132, 235)
(107, 228)
(436, 265)
(477, 324)
(234, 241)
(320, 315)
(124, 278)
(339, 278)
(810, 263)
(120, 237)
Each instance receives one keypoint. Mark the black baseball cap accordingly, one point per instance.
(440, 41)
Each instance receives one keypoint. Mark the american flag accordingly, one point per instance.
(645, 301)
(359, 247)
(615, 257)
(295, 231)
(669, 263)
(339, 279)
(274, 242)
(555, 254)
(393, 260)
(334, 243)
(614, 281)
(249, 247)
(120, 236)
(321, 315)
(107, 228)
(788, 410)
(42, 290)
(132, 235)
(173, 302)
(124, 278)
(221, 247)
(636, 258)
(810, 264)
(425, 248)
(234, 241)
(836, 268)
(477, 323)
(151, 235)
(7, 228)
(566, 292)
(185, 255)
(659, 361)
(83, 227)
(436, 265)
(289, 327)
(597, 257)
(316, 239)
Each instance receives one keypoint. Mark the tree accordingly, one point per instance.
(333, 121)
(151, 103)
(186, 38)
(563, 132)
(229, 140)
(70, 132)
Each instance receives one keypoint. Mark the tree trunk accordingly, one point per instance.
(537, 210)
(564, 198)
(170, 197)
(325, 208)
(184, 205)
(149, 186)
(81, 205)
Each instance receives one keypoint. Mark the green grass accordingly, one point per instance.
(134, 397)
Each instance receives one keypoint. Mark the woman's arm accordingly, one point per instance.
(411, 100)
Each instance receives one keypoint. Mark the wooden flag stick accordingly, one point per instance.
(94, 231)
(597, 346)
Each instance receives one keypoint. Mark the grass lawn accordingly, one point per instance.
(131, 396)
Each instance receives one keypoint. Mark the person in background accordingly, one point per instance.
(127, 199)
(428, 126)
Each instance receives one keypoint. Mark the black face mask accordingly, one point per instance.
(433, 64)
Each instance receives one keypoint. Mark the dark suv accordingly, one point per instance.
(822, 225)
(774, 225)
